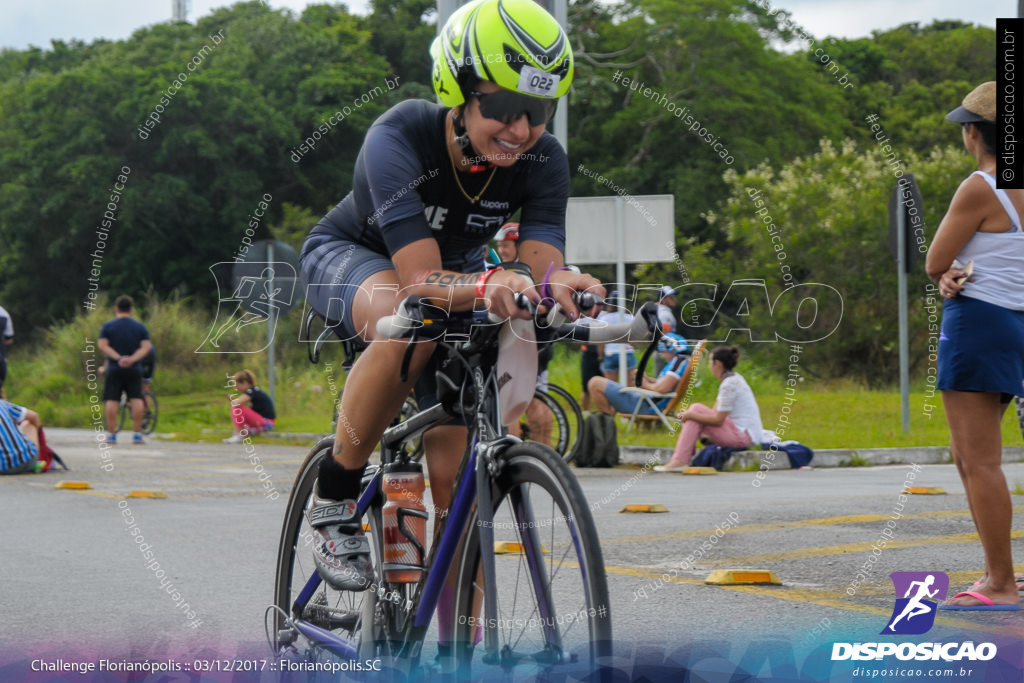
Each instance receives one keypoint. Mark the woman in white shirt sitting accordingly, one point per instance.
(734, 422)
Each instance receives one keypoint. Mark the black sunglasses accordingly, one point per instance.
(507, 106)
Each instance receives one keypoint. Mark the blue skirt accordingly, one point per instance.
(981, 348)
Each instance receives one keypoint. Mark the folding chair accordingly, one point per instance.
(651, 399)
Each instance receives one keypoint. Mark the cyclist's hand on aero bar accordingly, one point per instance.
(501, 291)
(564, 283)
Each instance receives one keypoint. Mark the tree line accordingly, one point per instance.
(191, 126)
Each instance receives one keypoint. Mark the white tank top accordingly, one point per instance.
(998, 259)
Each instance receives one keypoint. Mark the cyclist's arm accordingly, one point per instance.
(419, 272)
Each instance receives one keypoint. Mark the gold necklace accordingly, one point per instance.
(455, 172)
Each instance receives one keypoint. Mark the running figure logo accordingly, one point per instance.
(914, 613)
(250, 296)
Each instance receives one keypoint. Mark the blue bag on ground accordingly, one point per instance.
(715, 456)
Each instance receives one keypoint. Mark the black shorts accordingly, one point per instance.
(148, 368)
(335, 270)
(128, 380)
(590, 366)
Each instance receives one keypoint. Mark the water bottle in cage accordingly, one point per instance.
(405, 522)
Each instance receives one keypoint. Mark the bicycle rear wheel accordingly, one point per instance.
(553, 609)
(546, 423)
(150, 413)
(574, 415)
(126, 412)
(343, 613)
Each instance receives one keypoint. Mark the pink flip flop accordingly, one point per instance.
(986, 606)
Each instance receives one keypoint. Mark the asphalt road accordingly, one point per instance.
(74, 580)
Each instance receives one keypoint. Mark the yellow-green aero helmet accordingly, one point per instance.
(514, 44)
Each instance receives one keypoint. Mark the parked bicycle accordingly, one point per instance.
(561, 419)
(530, 588)
(150, 412)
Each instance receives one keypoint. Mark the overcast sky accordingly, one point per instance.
(36, 22)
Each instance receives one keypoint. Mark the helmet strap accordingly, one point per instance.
(464, 143)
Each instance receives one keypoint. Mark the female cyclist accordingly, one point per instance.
(432, 185)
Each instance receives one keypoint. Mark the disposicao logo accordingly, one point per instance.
(914, 613)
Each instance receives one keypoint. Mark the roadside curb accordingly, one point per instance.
(839, 457)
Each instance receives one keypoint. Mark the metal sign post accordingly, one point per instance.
(272, 324)
(901, 241)
(904, 205)
(620, 276)
(590, 237)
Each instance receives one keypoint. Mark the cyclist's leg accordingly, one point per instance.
(538, 415)
(147, 389)
(352, 287)
(373, 393)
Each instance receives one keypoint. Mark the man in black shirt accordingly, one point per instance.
(125, 342)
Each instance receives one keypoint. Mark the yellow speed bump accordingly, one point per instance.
(72, 485)
(510, 548)
(732, 577)
(637, 507)
(700, 470)
(926, 490)
(146, 494)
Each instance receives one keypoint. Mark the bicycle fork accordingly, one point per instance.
(489, 466)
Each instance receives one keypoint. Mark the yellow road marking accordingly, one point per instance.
(806, 596)
(99, 494)
(798, 524)
(847, 548)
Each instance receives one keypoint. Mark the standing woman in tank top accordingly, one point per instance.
(981, 346)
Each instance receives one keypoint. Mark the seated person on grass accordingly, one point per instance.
(609, 397)
(733, 422)
(252, 410)
(19, 439)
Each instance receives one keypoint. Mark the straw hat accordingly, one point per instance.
(978, 106)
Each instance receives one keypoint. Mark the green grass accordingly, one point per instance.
(191, 389)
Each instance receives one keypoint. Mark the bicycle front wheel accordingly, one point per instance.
(552, 593)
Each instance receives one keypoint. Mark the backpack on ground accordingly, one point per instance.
(48, 458)
(599, 442)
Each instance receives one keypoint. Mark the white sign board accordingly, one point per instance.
(648, 229)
